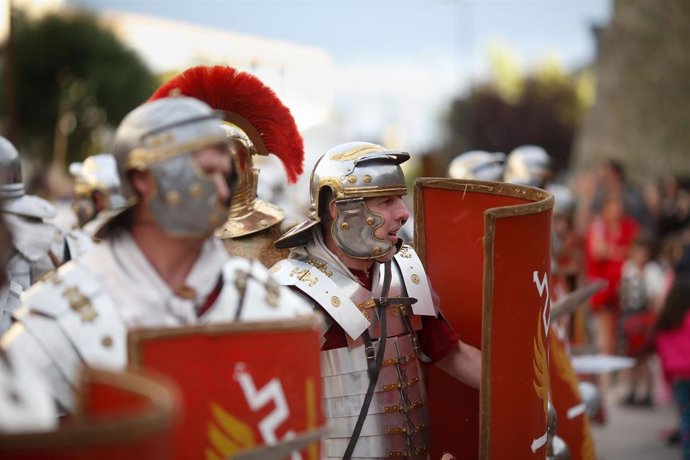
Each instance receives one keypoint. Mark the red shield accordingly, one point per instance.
(244, 386)
(121, 416)
(486, 247)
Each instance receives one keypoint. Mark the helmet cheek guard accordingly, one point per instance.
(185, 202)
(353, 230)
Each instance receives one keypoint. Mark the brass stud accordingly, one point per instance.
(195, 190)
(370, 221)
(351, 179)
(416, 279)
(173, 198)
(107, 341)
(367, 179)
(377, 250)
(345, 226)
(335, 301)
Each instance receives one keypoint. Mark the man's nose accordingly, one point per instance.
(402, 214)
(222, 188)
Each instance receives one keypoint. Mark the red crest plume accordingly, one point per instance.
(249, 104)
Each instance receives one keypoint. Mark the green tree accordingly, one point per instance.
(74, 78)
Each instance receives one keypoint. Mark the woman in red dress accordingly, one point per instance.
(607, 241)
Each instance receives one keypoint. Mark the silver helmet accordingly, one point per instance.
(352, 172)
(477, 165)
(13, 198)
(528, 165)
(160, 136)
(97, 174)
(257, 123)
(248, 213)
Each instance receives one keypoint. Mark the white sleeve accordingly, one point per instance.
(654, 280)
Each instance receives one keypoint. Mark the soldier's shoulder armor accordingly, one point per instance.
(415, 280)
(78, 242)
(250, 293)
(10, 298)
(25, 402)
(316, 281)
(74, 322)
(31, 238)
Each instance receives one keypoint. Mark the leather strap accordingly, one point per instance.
(373, 364)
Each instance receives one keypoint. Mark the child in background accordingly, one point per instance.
(641, 293)
(673, 349)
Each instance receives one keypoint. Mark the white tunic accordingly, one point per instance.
(80, 315)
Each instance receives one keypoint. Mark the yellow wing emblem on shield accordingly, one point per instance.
(227, 435)
(541, 366)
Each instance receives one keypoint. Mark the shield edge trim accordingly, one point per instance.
(165, 404)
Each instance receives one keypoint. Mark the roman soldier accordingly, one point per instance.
(256, 123)
(384, 323)
(38, 245)
(158, 263)
(96, 192)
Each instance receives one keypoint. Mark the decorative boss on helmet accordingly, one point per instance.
(256, 123)
(13, 198)
(352, 172)
(161, 137)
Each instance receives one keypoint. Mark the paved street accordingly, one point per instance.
(632, 433)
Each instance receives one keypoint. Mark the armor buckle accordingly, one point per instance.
(370, 352)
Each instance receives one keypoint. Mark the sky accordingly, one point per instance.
(399, 62)
(383, 32)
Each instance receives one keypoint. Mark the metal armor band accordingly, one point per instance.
(348, 406)
(393, 377)
(12, 190)
(391, 423)
(381, 446)
(341, 361)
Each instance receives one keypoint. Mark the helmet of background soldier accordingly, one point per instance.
(564, 203)
(256, 123)
(528, 165)
(352, 172)
(13, 197)
(96, 187)
(477, 165)
(160, 137)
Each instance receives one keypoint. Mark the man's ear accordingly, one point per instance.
(332, 209)
(142, 183)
